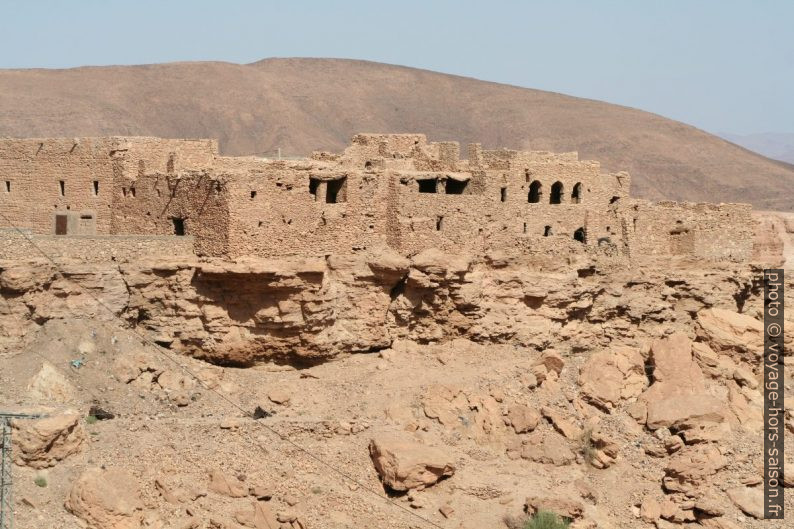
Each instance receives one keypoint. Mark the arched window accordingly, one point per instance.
(576, 194)
(556, 193)
(535, 192)
(579, 235)
(547, 231)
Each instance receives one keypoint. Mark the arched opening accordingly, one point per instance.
(547, 231)
(535, 192)
(613, 200)
(579, 235)
(576, 194)
(556, 193)
(368, 166)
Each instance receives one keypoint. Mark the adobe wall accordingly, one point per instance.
(33, 169)
(385, 189)
(495, 211)
(282, 209)
(74, 177)
(156, 203)
(709, 231)
(91, 248)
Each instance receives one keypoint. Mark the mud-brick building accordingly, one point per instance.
(397, 190)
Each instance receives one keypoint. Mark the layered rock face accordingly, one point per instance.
(308, 310)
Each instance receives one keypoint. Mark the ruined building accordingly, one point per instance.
(397, 190)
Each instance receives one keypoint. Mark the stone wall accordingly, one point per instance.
(395, 190)
(41, 179)
(91, 248)
(188, 202)
(708, 231)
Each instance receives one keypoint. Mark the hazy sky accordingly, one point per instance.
(722, 65)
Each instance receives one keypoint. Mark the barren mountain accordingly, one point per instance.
(300, 105)
(775, 145)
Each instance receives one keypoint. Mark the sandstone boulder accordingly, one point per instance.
(609, 377)
(405, 465)
(522, 418)
(224, 485)
(684, 411)
(731, 333)
(678, 398)
(49, 386)
(106, 499)
(689, 468)
(570, 509)
(749, 500)
(551, 448)
(41, 443)
(258, 516)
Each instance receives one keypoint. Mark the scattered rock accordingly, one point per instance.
(561, 424)
(404, 465)
(278, 396)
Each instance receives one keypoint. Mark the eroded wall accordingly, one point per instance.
(395, 190)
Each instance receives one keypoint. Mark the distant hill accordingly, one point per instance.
(300, 105)
(775, 145)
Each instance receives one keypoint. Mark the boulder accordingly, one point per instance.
(41, 443)
(609, 377)
(551, 448)
(677, 398)
(106, 499)
(685, 411)
(731, 333)
(688, 469)
(405, 465)
(749, 500)
(224, 485)
(50, 386)
(563, 425)
(674, 365)
(522, 418)
(650, 510)
(570, 509)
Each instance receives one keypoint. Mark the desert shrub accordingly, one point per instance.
(546, 520)
(40, 481)
(91, 419)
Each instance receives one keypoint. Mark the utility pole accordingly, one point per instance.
(6, 483)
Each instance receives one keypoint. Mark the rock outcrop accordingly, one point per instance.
(305, 310)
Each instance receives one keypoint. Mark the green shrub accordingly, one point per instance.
(40, 481)
(91, 419)
(546, 520)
